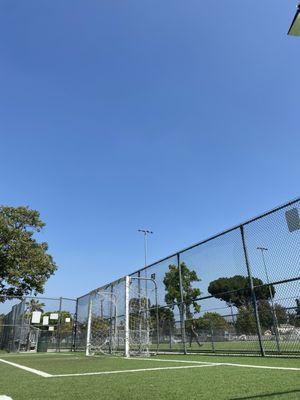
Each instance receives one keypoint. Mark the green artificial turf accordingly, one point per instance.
(215, 383)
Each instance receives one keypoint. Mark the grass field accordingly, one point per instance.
(73, 376)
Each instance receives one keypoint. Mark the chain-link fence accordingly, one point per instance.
(236, 292)
(37, 324)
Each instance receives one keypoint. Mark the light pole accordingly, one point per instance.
(146, 232)
(274, 316)
(295, 26)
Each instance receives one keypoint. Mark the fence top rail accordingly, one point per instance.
(235, 227)
(34, 297)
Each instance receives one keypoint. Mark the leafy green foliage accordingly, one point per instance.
(34, 305)
(64, 326)
(25, 264)
(136, 304)
(166, 319)
(212, 320)
(190, 294)
(2, 317)
(246, 324)
(236, 290)
(294, 316)
(266, 314)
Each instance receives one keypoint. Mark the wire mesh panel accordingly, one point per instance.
(143, 316)
(37, 324)
(102, 333)
(134, 332)
(236, 292)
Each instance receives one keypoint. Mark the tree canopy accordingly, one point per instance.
(190, 294)
(246, 324)
(236, 290)
(212, 320)
(166, 319)
(25, 264)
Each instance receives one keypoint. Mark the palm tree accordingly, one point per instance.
(35, 305)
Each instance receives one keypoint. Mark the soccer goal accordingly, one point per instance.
(124, 322)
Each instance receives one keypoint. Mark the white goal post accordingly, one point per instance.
(126, 322)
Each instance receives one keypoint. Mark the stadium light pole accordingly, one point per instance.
(295, 26)
(274, 316)
(146, 232)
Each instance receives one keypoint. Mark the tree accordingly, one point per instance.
(166, 319)
(294, 317)
(64, 327)
(139, 318)
(25, 264)
(190, 294)
(212, 320)
(34, 305)
(236, 290)
(267, 314)
(136, 304)
(31, 306)
(246, 323)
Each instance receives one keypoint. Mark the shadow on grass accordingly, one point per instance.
(267, 395)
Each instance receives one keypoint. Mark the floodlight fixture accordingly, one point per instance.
(145, 232)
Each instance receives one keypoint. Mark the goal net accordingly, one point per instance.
(125, 321)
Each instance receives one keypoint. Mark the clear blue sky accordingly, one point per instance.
(182, 117)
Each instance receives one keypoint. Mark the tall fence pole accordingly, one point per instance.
(182, 313)
(127, 333)
(262, 351)
(89, 325)
(58, 337)
(74, 328)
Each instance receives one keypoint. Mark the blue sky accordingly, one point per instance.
(182, 117)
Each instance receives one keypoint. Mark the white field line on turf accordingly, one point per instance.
(213, 363)
(47, 358)
(54, 359)
(38, 355)
(130, 370)
(170, 360)
(261, 366)
(32, 370)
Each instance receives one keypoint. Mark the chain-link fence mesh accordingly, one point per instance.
(37, 324)
(237, 292)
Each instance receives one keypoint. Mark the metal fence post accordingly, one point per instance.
(74, 328)
(89, 326)
(262, 351)
(212, 337)
(182, 306)
(127, 316)
(111, 318)
(58, 337)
